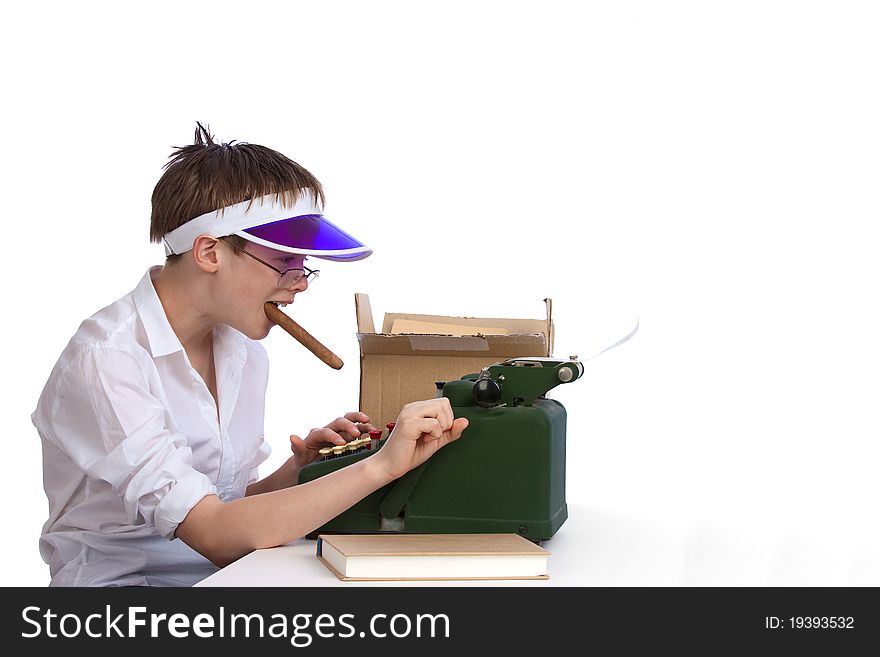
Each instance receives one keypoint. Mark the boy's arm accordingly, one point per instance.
(284, 477)
(224, 532)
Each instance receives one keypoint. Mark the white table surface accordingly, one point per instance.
(585, 551)
(295, 564)
(649, 543)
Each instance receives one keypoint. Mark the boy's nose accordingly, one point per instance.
(301, 285)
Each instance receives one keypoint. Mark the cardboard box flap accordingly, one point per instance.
(491, 346)
(526, 326)
(364, 313)
(415, 326)
(437, 326)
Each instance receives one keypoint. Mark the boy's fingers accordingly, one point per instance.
(345, 425)
(334, 437)
(326, 435)
(430, 425)
(458, 427)
(296, 444)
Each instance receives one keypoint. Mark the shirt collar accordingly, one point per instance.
(161, 337)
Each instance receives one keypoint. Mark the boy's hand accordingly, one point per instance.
(351, 426)
(421, 429)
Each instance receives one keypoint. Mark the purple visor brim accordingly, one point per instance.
(308, 234)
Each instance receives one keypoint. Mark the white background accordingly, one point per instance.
(710, 168)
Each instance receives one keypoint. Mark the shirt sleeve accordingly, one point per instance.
(107, 421)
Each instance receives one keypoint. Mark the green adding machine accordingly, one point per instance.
(506, 474)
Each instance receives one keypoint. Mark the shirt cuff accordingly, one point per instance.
(180, 500)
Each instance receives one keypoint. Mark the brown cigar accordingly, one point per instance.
(274, 313)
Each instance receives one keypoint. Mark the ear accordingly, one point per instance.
(206, 253)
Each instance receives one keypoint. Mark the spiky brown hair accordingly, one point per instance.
(207, 176)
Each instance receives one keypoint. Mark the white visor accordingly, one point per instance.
(300, 228)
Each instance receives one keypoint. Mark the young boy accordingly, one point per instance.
(152, 419)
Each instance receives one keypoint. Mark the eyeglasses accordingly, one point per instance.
(287, 277)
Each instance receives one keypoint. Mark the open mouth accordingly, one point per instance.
(279, 304)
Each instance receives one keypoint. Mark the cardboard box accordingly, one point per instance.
(402, 363)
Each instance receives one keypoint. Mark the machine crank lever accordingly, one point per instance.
(394, 501)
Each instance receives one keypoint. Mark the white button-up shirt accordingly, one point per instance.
(132, 440)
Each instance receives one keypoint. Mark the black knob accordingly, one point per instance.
(487, 393)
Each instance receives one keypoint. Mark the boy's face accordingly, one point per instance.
(249, 284)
